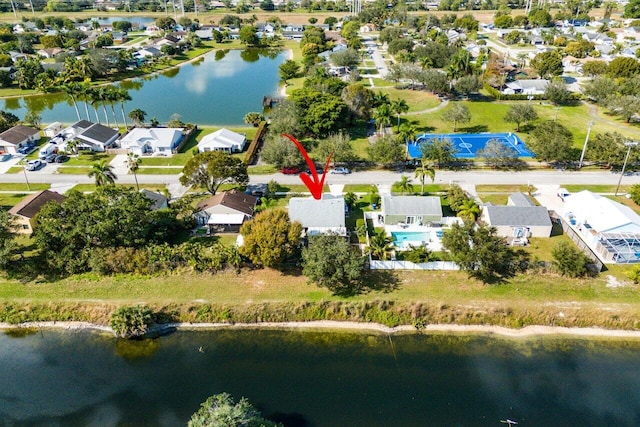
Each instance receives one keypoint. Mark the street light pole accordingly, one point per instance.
(24, 170)
(628, 144)
(586, 141)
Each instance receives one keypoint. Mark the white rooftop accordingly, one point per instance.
(601, 213)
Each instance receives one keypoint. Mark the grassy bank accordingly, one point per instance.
(270, 296)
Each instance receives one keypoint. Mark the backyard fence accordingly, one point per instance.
(408, 265)
(575, 237)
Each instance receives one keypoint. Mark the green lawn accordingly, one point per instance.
(7, 186)
(262, 170)
(596, 188)
(159, 171)
(88, 159)
(85, 188)
(416, 99)
(495, 199)
(501, 188)
(9, 200)
(73, 170)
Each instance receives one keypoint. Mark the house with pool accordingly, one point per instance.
(411, 220)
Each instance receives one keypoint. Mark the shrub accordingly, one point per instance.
(569, 260)
(131, 322)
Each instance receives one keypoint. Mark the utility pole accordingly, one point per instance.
(13, 7)
(24, 170)
(586, 141)
(628, 144)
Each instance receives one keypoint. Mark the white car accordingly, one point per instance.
(34, 165)
(340, 171)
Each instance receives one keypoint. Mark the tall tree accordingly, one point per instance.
(331, 262)
(569, 260)
(270, 239)
(469, 210)
(137, 116)
(102, 172)
(382, 115)
(551, 141)
(399, 106)
(548, 64)
(423, 171)
(211, 169)
(439, 150)
(479, 251)
(457, 113)
(288, 70)
(133, 163)
(520, 113)
(387, 150)
(7, 238)
(404, 185)
(380, 246)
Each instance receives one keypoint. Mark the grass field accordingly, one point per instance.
(596, 188)
(9, 200)
(7, 186)
(85, 188)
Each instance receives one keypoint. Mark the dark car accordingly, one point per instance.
(319, 170)
(290, 171)
(61, 158)
(51, 158)
(27, 149)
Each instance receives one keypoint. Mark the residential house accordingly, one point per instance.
(25, 211)
(148, 52)
(222, 140)
(368, 28)
(609, 228)
(323, 216)
(205, 33)
(91, 136)
(50, 52)
(53, 129)
(411, 210)
(159, 201)
(11, 140)
(143, 141)
(519, 219)
(226, 211)
(526, 87)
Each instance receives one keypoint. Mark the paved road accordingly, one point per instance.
(551, 177)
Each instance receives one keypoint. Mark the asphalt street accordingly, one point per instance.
(557, 177)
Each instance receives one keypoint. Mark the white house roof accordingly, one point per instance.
(154, 137)
(326, 214)
(231, 219)
(411, 205)
(601, 213)
(222, 139)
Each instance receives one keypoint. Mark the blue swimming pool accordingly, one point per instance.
(416, 238)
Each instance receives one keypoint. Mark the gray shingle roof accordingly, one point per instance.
(98, 132)
(411, 205)
(520, 199)
(17, 134)
(311, 213)
(518, 216)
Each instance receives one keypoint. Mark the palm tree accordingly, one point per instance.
(72, 145)
(123, 96)
(102, 94)
(133, 163)
(73, 90)
(85, 93)
(399, 106)
(137, 116)
(111, 96)
(407, 133)
(423, 171)
(380, 245)
(103, 173)
(404, 185)
(469, 209)
(382, 115)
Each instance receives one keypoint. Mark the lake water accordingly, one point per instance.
(219, 89)
(319, 379)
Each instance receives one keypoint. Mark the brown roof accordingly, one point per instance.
(31, 205)
(17, 134)
(240, 202)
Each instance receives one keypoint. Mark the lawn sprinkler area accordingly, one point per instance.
(467, 145)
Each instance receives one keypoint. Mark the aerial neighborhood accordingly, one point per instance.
(399, 100)
(409, 163)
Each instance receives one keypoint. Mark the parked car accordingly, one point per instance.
(319, 170)
(61, 158)
(34, 165)
(51, 158)
(5, 157)
(290, 171)
(27, 149)
(340, 171)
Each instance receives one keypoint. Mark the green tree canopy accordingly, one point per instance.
(548, 64)
(600, 88)
(221, 410)
(479, 251)
(569, 260)
(520, 113)
(622, 66)
(457, 113)
(551, 141)
(387, 150)
(131, 322)
(7, 237)
(557, 92)
(331, 262)
(280, 152)
(211, 169)
(249, 36)
(288, 70)
(439, 150)
(110, 217)
(270, 239)
(498, 155)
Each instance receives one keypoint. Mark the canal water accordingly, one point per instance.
(218, 89)
(306, 378)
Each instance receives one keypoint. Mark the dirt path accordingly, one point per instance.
(593, 113)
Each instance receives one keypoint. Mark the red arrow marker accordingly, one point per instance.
(313, 183)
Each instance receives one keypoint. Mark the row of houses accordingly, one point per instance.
(98, 138)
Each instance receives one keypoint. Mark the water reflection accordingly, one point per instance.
(320, 379)
(220, 90)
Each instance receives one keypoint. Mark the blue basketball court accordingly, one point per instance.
(468, 144)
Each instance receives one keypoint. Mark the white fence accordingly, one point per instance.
(408, 265)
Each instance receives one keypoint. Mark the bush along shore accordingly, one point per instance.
(418, 315)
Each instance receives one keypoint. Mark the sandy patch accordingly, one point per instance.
(613, 282)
